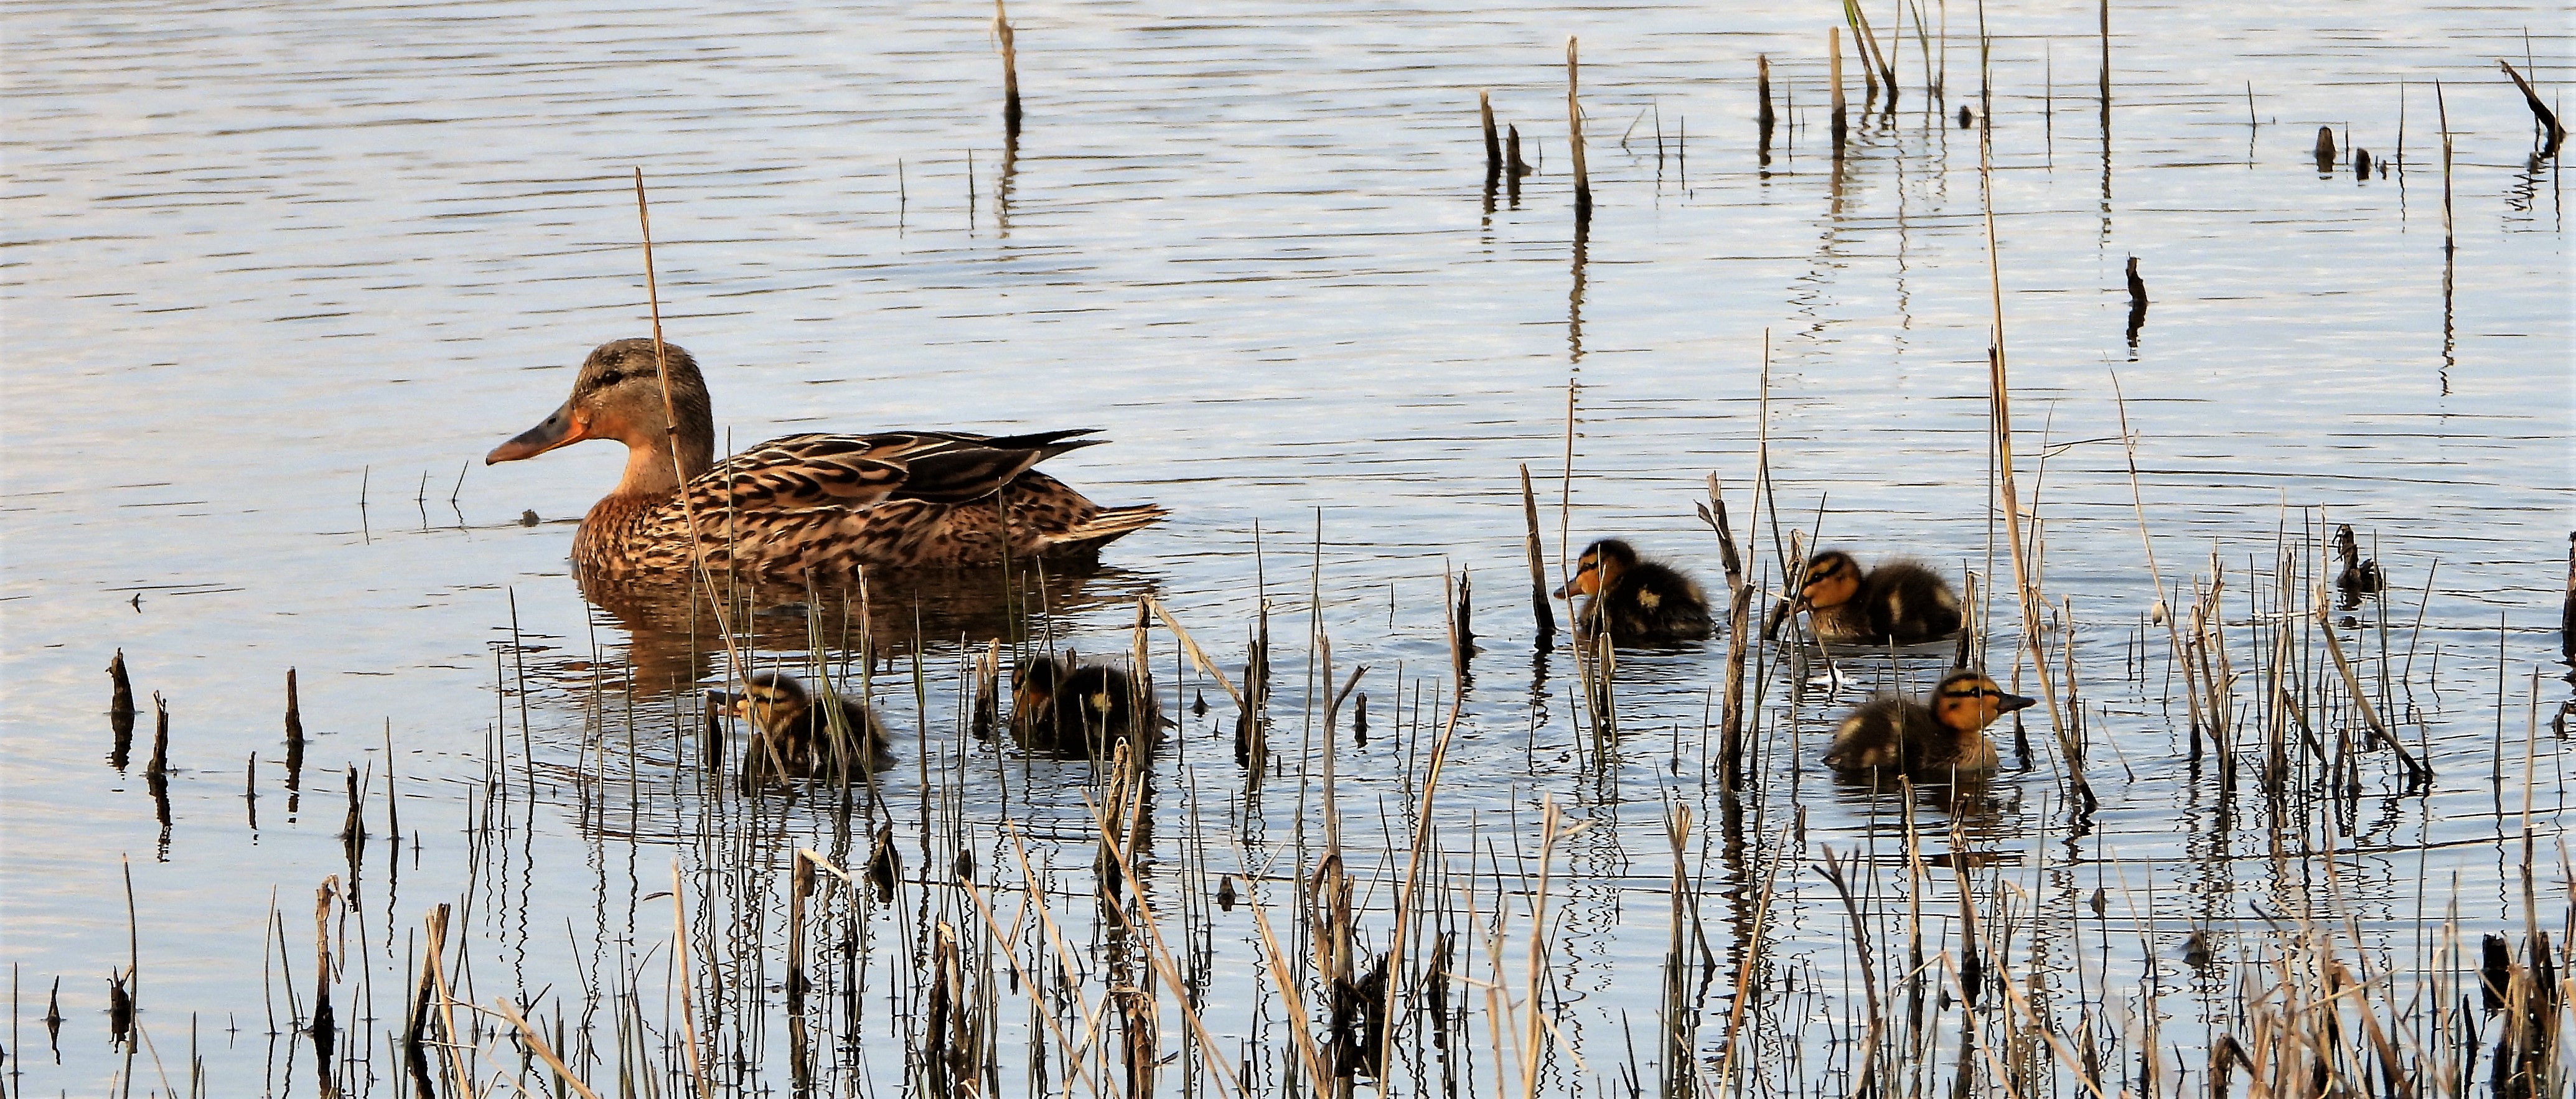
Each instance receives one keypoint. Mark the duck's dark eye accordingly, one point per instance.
(609, 378)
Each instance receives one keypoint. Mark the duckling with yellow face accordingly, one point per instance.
(1637, 601)
(793, 735)
(1900, 602)
(1899, 735)
(1061, 706)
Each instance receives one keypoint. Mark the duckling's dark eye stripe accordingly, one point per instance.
(610, 378)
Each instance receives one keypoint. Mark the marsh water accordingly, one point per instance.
(276, 278)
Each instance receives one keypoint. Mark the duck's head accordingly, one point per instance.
(1599, 567)
(1832, 580)
(618, 395)
(1034, 682)
(2346, 546)
(770, 701)
(1967, 702)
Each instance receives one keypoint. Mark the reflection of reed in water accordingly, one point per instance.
(673, 636)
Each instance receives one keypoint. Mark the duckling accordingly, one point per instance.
(793, 736)
(1902, 601)
(1060, 705)
(2360, 575)
(1892, 733)
(1636, 600)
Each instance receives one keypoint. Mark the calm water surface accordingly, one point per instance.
(275, 278)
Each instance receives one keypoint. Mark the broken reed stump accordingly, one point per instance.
(1834, 79)
(2567, 613)
(2551, 132)
(1493, 141)
(1874, 65)
(2137, 302)
(294, 735)
(323, 1027)
(119, 701)
(2325, 149)
(1539, 606)
(159, 768)
(120, 712)
(988, 692)
(1010, 71)
(800, 884)
(1574, 138)
(1461, 631)
(1739, 619)
(353, 825)
(1763, 120)
(2360, 164)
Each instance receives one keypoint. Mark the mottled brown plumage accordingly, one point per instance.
(1895, 734)
(1900, 602)
(819, 506)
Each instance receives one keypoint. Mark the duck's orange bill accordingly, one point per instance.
(557, 430)
(1585, 582)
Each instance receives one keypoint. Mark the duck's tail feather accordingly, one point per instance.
(1108, 526)
(1048, 444)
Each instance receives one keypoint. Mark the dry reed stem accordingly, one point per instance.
(2555, 134)
(2416, 770)
(1999, 393)
(1493, 141)
(1546, 614)
(537, 1043)
(1405, 899)
(1283, 977)
(452, 1050)
(1752, 955)
(1010, 69)
(688, 1012)
(1834, 77)
(670, 434)
(1574, 137)
(1198, 656)
(1028, 981)
(1046, 922)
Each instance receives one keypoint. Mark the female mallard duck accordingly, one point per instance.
(1637, 601)
(1059, 705)
(1900, 602)
(1895, 734)
(804, 505)
(795, 738)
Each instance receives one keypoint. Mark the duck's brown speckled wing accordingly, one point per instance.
(802, 471)
(832, 504)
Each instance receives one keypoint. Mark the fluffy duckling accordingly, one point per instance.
(1901, 602)
(1637, 601)
(2360, 575)
(793, 736)
(1060, 705)
(1896, 734)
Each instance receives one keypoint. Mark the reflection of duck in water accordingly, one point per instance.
(1637, 601)
(1061, 706)
(675, 635)
(794, 737)
(1900, 602)
(1895, 734)
(805, 505)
